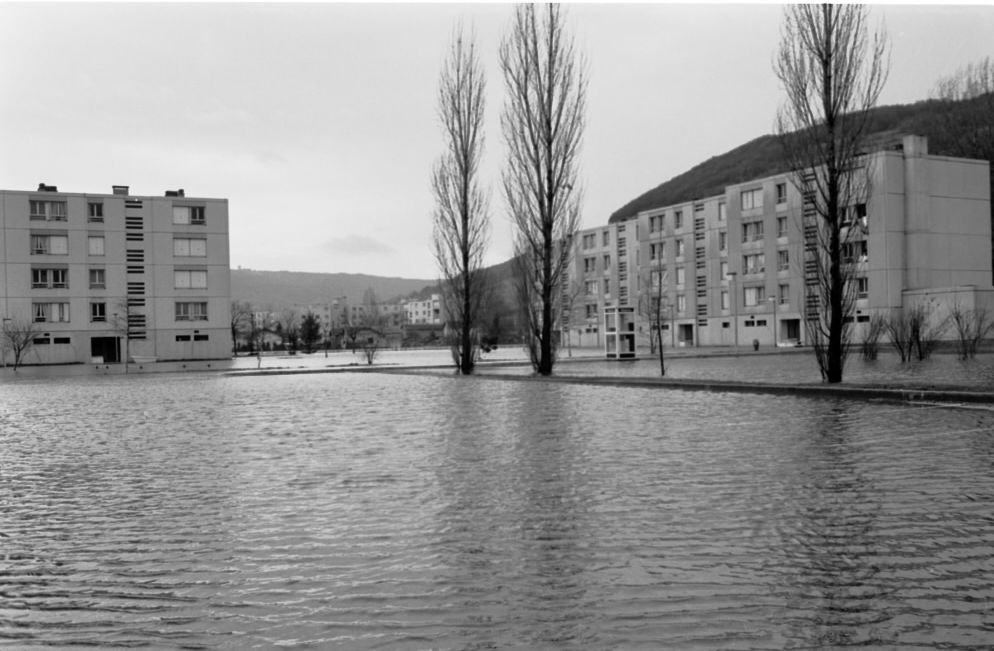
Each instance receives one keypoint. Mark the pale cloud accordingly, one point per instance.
(357, 245)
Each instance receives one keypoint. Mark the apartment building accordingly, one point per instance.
(732, 266)
(101, 277)
(428, 311)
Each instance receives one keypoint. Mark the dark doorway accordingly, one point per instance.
(106, 347)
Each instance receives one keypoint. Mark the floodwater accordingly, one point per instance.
(375, 511)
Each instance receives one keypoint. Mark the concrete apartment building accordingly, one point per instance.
(428, 311)
(104, 275)
(732, 265)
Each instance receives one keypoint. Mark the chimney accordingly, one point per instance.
(175, 193)
(47, 188)
(120, 189)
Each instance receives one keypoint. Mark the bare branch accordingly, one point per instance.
(542, 123)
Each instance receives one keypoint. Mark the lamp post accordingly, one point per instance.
(735, 320)
(773, 301)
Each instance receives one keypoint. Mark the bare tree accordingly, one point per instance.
(18, 337)
(899, 332)
(915, 332)
(121, 321)
(288, 326)
(571, 289)
(542, 123)
(971, 326)
(832, 71)
(654, 307)
(874, 330)
(241, 323)
(926, 330)
(461, 219)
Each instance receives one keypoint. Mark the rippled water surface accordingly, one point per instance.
(368, 511)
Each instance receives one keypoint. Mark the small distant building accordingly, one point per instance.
(426, 312)
(99, 276)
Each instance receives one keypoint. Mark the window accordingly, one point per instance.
(722, 211)
(49, 278)
(188, 215)
(607, 287)
(655, 223)
(49, 244)
(724, 299)
(862, 288)
(589, 265)
(781, 193)
(754, 296)
(182, 337)
(854, 251)
(679, 248)
(591, 288)
(856, 215)
(53, 211)
(190, 279)
(681, 275)
(98, 312)
(98, 279)
(607, 263)
(201, 337)
(95, 211)
(591, 310)
(50, 312)
(681, 303)
(783, 260)
(191, 311)
(588, 242)
(781, 227)
(724, 269)
(752, 231)
(754, 263)
(193, 247)
(605, 238)
(752, 199)
(678, 219)
(96, 244)
(656, 251)
(722, 241)
(784, 293)
(655, 278)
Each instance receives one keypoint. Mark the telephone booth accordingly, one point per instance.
(619, 332)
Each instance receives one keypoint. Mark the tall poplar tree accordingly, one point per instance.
(542, 123)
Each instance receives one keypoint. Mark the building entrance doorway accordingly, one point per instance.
(791, 330)
(105, 349)
(685, 333)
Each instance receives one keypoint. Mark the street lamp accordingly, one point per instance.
(773, 301)
(735, 320)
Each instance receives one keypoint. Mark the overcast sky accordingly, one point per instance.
(317, 121)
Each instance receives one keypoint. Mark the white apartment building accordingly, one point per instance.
(101, 276)
(424, 312)
(732, 265)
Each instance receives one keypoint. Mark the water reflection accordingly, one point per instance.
(828, 535)
(375, 511)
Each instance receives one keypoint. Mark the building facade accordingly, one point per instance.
(103, 277)
(732, 266)
(428, 311)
